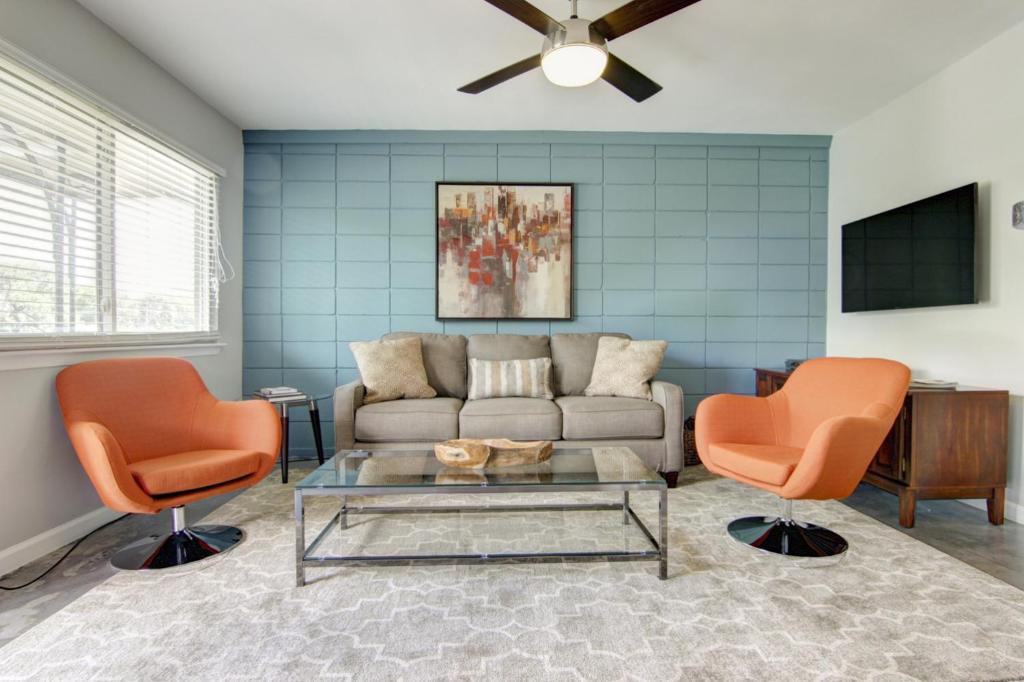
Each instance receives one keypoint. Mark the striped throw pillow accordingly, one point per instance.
(510, 378)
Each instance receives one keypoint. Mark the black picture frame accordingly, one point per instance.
(496, 185)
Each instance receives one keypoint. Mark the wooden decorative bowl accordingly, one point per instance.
(472, 453)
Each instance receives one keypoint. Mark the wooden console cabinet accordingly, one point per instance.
(944, 444)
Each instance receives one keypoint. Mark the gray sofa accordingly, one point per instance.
(653, 429)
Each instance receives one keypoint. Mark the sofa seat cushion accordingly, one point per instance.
(590, 418)
(410, 420)
(513, 418)
(771, 464)
(194, 469)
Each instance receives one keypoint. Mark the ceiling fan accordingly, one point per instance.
(575, 50)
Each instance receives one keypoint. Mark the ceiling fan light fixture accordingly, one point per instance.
(575, 50)
(573, 66)
(573, 56)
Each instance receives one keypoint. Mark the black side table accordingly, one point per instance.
(314, 418)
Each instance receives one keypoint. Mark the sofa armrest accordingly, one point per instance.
(347, 399)
(670, 398)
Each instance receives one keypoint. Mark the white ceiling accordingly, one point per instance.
(752, 66)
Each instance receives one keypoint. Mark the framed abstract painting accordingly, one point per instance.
(504, 252)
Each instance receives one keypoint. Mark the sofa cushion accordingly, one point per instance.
(184, 471)
(513, 418)
(507, 347)
(771, 464)
(624, 368)
(411, 420)
(586, 418)
(444, 358)
(510, 378)
(572, 360)
(392, 369)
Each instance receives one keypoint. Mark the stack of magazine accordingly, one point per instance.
(279, 393)
(937, 384)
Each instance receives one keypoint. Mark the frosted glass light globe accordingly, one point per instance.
(574, 65)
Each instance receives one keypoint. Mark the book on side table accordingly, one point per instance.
(280, 393)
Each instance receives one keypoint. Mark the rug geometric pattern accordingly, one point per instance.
(892, 609)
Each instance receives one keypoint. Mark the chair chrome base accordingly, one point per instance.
(183, 546)
(787, 537)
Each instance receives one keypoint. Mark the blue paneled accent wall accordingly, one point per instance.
(715, 243)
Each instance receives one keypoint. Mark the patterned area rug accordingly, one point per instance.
(893, 609)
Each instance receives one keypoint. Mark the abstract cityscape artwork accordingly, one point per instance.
(504, 251)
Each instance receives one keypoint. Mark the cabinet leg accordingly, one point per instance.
(996, 502)
(908, 505)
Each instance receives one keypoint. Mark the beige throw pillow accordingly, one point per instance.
(392, 369)
(625, 368)
(510, 378)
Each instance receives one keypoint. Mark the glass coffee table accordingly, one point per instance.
(479, 533)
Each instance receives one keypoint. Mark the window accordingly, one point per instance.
(107, 234)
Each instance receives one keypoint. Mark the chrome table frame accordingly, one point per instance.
(306, 557)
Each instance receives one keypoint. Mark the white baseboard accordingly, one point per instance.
(29, 550)
(1014, 512)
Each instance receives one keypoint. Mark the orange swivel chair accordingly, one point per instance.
(150, 436)
(812, 440)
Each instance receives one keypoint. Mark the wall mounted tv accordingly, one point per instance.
(914, 256)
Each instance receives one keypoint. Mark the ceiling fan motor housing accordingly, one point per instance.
(574, 32)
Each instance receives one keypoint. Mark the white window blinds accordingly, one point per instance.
(107, 234)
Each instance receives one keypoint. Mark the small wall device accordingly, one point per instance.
(1018, 215)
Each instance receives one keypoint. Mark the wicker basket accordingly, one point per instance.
(690, 457)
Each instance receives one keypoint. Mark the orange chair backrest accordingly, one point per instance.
(832, 387)
(147, 403)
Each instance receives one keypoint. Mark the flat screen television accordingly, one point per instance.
(914, 256)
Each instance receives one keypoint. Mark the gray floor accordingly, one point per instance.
(949, 526)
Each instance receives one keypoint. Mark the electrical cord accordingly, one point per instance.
(12, 588)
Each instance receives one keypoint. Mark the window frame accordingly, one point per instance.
(44, 350)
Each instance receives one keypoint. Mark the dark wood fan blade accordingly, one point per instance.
(629, 80)
(501, 75)
(528, 14)
(634, 15)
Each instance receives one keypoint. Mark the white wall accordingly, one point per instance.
(965, 124)
(42, 485)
